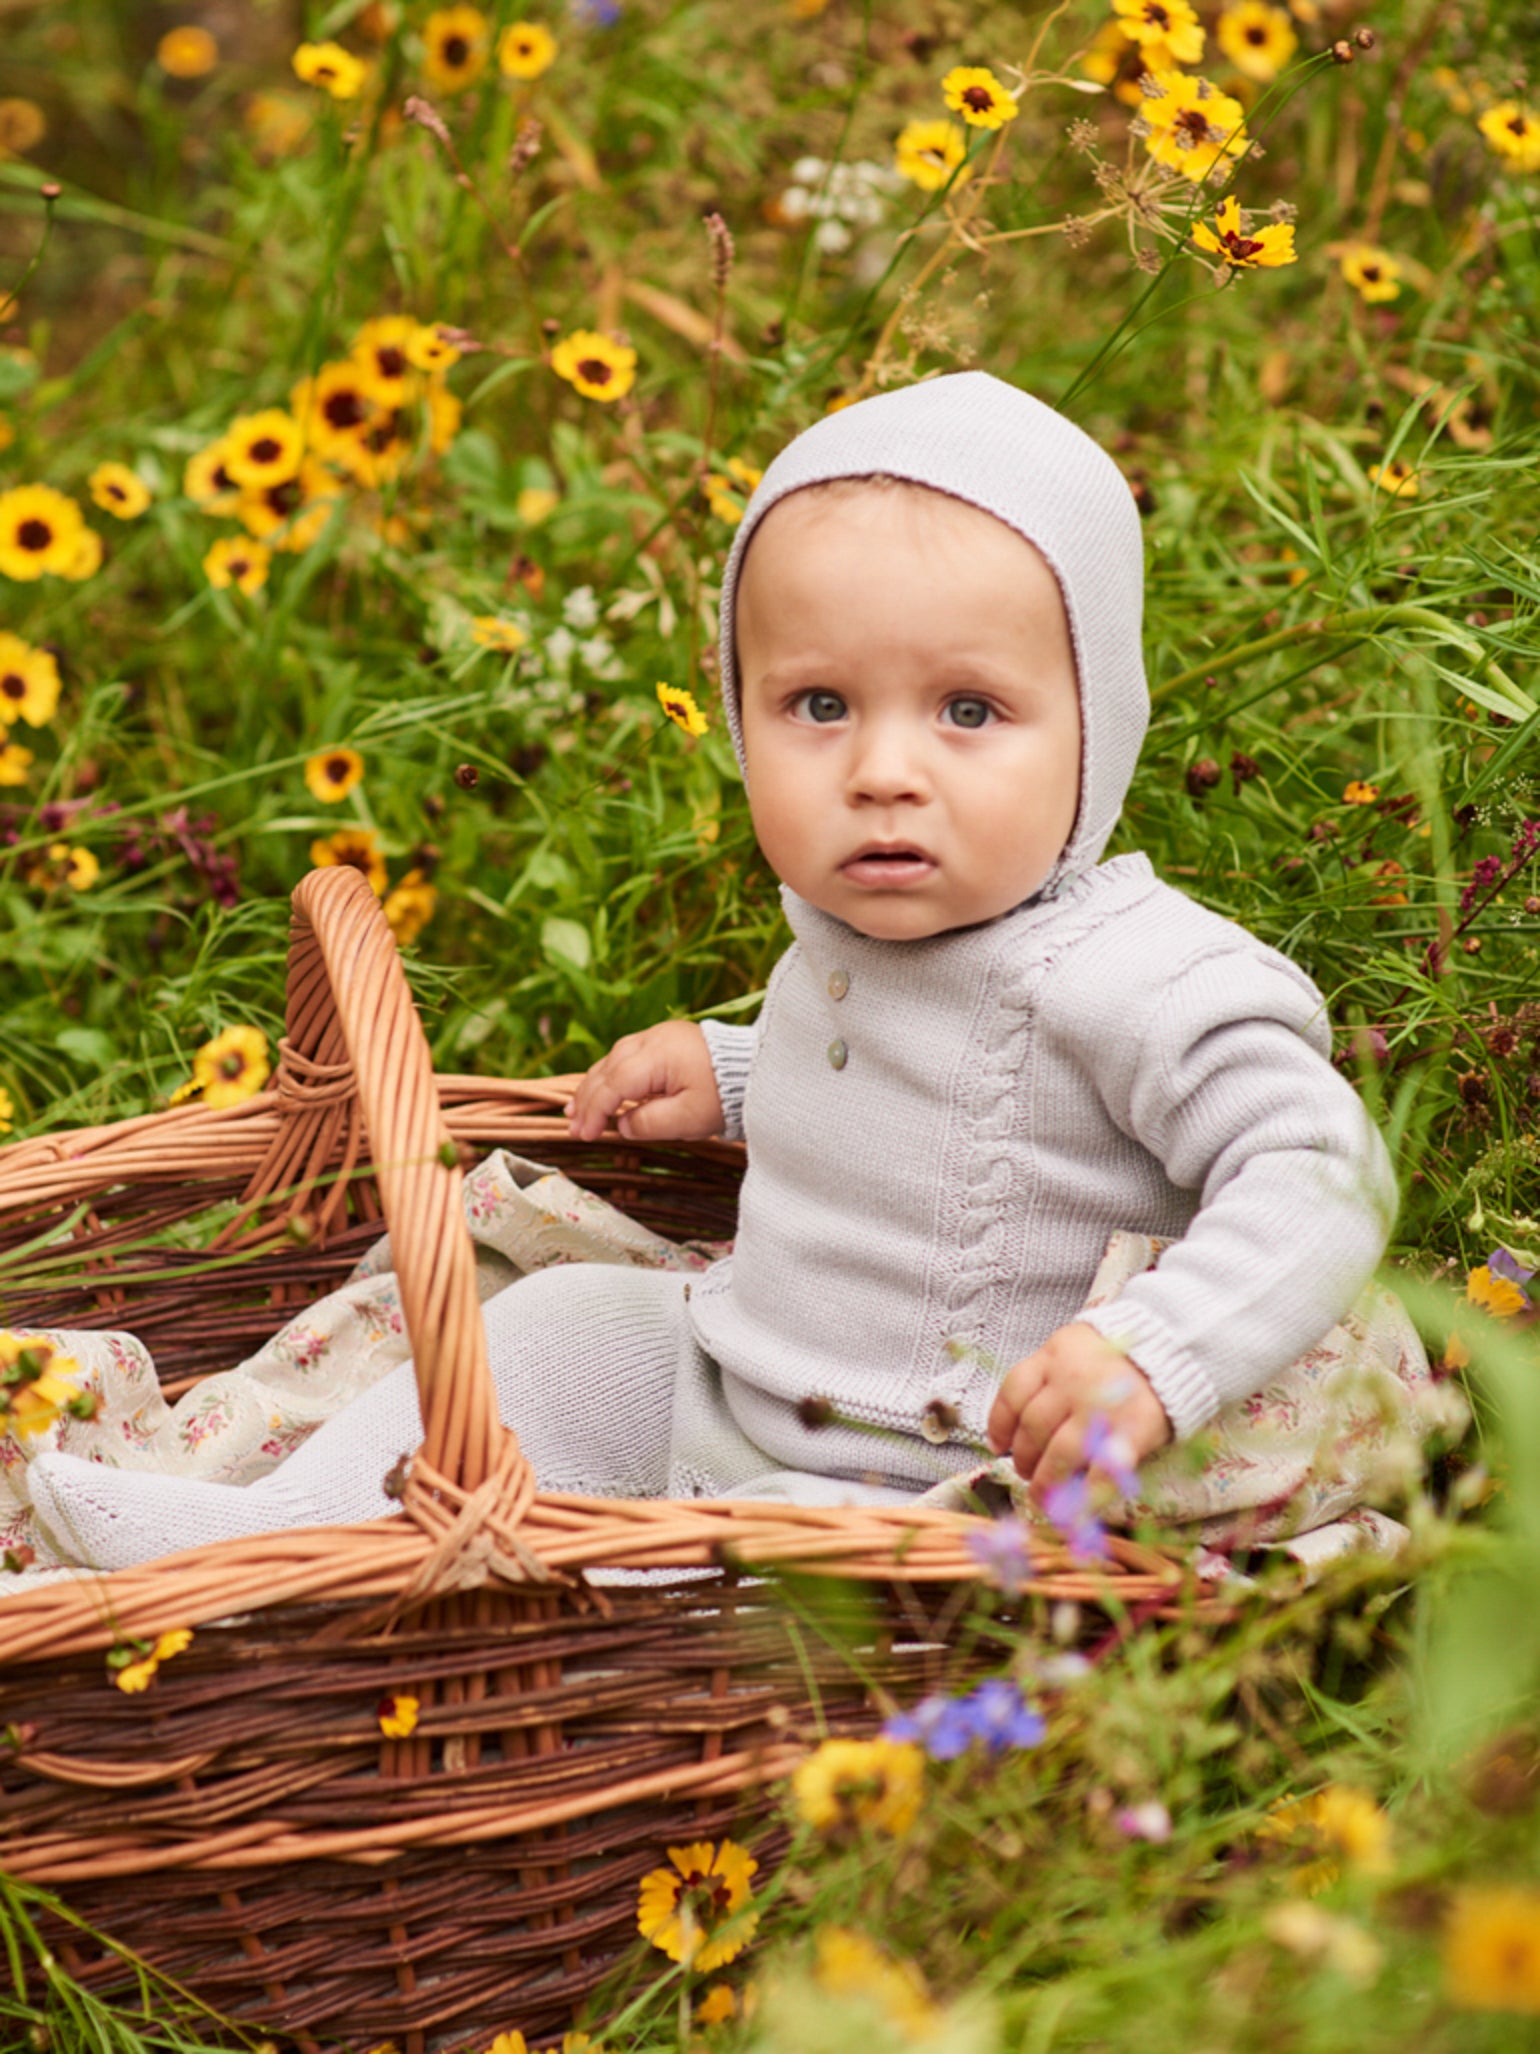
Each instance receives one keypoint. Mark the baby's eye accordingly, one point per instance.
(822, 706)
(969, 712)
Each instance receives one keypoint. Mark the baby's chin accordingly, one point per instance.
(909, 915)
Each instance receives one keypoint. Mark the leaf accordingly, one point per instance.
(567, 940)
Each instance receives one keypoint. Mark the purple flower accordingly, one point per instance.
(939, 1724)
(1502, 1264)
(1003, 1552)
(1000, 1716)
(1112, 1453)
(1067, 1506)
(601, 14)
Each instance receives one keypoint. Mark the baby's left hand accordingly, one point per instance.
(1044, 1407)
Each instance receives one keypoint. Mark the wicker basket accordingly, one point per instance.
(286, 1862)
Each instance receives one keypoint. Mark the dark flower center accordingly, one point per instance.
(1157, 14)
(34, 534)
(265, 450)
(1519, 125)
(1371, 272)
(383, 437)
(1240, 248)
(115, 491)
(708, 1897)
(1191, 127)
(337, 768)
(231, 1065)
(979, 98)
(595, 370)
(324, 70)
(284, 498)
(457, 51)
(1256, 33)
(223, 479)
(14, 685)
(391, 362)
(344, 409)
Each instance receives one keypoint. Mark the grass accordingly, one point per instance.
(1310, 635)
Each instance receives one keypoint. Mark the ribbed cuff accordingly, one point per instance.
(1181, 1384)
(732, 1051)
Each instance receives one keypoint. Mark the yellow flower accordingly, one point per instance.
(36, 1383)
(264, 448)
(429, 349)
(187, 52)
(1108, 56)
(717, 2006)
(293, 512)
(23, 126)
(81, 868)
(1513, 132)
(928, 152)
(597, 366)
(721, 497)
(358, 848)
(681, 709)
(329, 65)
(848, 1964)
(335, 408)
(444, 412)
(1373, 273)
(978, 96)
(7, 1112)
(1257, 38)
(1397, 478)
(117, 490)
(1170, 23)
(276, 123)
(1499, 1295)
(1241, 248)
(29, 683)
(379, 453)
(526, 50)
(332, 773)
(39, 530)
(85, 557)
(1189, 127)
(1349, 1821)
(233, 561)
(15, 762)
(508, 2043)
(1492, 1949)
(1360, 794)
(684, 1914)
(454, 47)
(861, 1783)
(381, 351)
(137, 1674)
(493, 632)
(232, 1067)
(535, 504)
(397, 1714)
(207, 483)
(410, 907)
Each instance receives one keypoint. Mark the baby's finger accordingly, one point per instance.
(1060, 1459)
(1019, 1388)
(1039, 1422)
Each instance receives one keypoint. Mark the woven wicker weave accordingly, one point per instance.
(299, 1870)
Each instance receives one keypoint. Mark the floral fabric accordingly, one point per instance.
(1296, 1464)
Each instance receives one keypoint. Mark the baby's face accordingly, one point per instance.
(911, 721)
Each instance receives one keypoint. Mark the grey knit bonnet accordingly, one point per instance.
(973, 436)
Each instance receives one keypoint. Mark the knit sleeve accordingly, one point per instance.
(1229, 1086)
(732, 1050)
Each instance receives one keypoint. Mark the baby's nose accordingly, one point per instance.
(888, 763)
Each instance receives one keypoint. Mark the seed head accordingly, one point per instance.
(1364, 38)
(526, 146)
(1202, 776)
(722, 251)
(1342, 52)
(427, 116)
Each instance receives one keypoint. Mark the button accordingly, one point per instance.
(839, 1055)
(839, 983)
(939, 1421)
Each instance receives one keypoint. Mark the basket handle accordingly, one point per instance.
(348, 1000)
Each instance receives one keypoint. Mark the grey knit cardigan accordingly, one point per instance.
(943, 1133)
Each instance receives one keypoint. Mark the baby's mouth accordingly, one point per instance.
(900, 863)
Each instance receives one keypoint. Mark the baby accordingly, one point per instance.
(985, 1052)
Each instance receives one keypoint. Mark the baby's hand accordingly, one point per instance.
(1044, 1407)
(668, 1067)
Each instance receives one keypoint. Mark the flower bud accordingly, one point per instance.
(1202, 776)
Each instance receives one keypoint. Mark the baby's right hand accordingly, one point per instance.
(667, 1068)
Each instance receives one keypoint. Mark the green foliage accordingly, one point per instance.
(1310, 635)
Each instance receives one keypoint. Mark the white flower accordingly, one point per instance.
(560, 645)
(832, 236)
(580, 609)
(808, 170)
(796, 204)
(599, 659)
